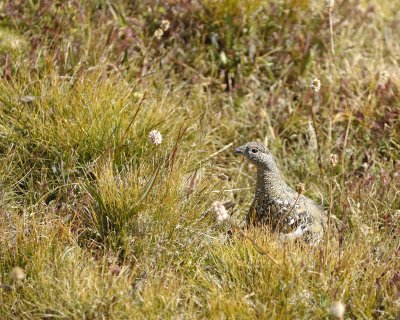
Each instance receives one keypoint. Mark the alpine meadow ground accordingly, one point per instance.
(118, 125)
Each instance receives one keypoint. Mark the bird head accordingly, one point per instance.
(258, 154)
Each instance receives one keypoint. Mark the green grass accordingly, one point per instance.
(108, 226)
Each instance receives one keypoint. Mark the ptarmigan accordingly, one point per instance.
(277, 205)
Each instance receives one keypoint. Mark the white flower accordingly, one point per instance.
(164, 25)
(220, 211)
(315, 85)
(337, 309)
(138, 95)
(159, 33)
(330, 4)
(383, 79)
(155, 137)
(365, 230)
(300, 187)
(333, 159)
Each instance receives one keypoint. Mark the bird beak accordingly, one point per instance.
(240, 150)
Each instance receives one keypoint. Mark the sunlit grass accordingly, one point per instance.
(106, 224)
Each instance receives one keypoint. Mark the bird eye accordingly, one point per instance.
(254, 150)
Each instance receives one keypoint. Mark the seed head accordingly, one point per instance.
(17, 274)
(315, 85)
(220, 211)
(333, 159)
(155, 137)
(383, 79)
(337, 309)
(159, 33)
(330, 4)
(164, 25)
(365, 230)
(300, 188)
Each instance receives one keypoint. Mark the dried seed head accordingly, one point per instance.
(17, 274)
(191, 183)
(164, 25)
(155, 137)
(330, 4)
(220, 211)
(333, 159)
(300, 188)
(365, 230)
(383, 79)
(315, 85)
(159, 33)
(337, 309)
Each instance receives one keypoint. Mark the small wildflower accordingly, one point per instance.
(300, 188)
(365, 230)
(138, 95)
(17, 274)
(333, 159)
(159, 33)
(383, 79)
(164, 25)
(330, 4)
(315, 85)
(155, 137)
(337, 309)
(220, 211)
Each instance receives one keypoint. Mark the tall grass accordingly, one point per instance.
(106, 225)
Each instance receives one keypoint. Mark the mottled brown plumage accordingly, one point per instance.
(276, 204)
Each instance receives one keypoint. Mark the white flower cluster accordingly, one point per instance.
(330, 4)
(155, 137)
(337, 309)
(315, 85)
(164, 26)
(220, 211)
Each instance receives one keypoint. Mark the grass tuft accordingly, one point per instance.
(97, 221)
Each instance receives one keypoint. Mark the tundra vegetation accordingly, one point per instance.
(100, 221)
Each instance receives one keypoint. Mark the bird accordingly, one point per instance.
(277, 205)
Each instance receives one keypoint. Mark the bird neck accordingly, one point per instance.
(270, 181)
